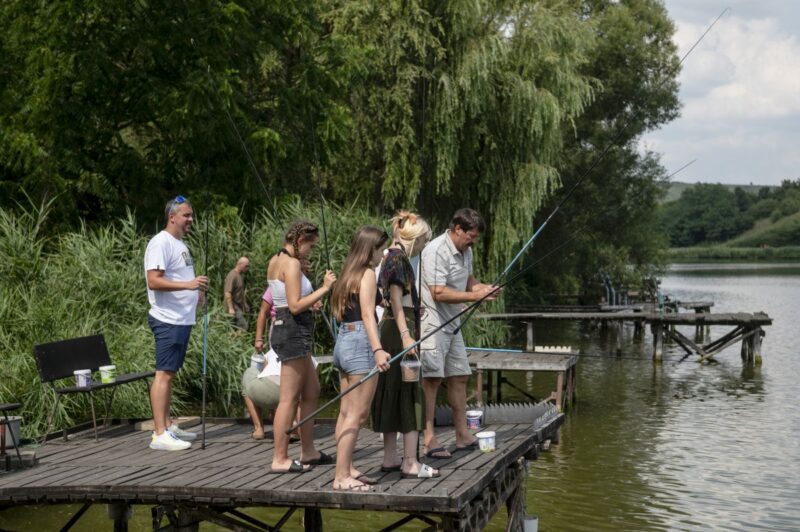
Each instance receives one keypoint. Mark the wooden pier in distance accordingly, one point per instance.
(231, 474)
(747, 328)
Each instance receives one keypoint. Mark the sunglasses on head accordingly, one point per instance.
(180, 199)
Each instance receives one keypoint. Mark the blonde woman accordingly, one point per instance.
(358, 348)
(399, 405)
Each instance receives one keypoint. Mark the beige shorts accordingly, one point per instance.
(444, 354)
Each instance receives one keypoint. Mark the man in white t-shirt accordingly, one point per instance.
(173, 292)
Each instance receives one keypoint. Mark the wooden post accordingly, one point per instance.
(312, 520)
(560, 391)
(479, 386)
(120, 512)
(747, 348)
(658, 341)
(515, 503)
(758, 337)
(529, 336)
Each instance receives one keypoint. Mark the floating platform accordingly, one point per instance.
(232, 472)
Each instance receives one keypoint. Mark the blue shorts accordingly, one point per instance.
(352, 353)
(171, 343)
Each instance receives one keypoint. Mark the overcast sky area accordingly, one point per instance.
(740, 90)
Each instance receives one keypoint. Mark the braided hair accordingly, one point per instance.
(299, 229)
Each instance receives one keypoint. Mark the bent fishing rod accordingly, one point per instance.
(591, 168)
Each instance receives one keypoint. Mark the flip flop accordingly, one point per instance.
(471, 447)
(365, 479)
(253, 435)
(391, 469)
(296, 467)
(358, 488)
(436, 453)
(425, 471)
(324, 459)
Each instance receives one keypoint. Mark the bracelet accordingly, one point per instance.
(377, 349)
(404, 331)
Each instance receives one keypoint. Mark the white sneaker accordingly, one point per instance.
(184, 435)
(168, 442)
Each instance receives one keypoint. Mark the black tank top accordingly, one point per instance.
(352, 311)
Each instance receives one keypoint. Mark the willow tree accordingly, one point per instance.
(460, 104)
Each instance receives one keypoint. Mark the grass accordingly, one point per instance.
(728, 253)
(782, 232)
(92, 281)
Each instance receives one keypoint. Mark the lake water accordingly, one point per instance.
(675, 446)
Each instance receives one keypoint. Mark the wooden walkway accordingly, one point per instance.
(232, 472)
(747, 328)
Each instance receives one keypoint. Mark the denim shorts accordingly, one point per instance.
(292, 336)
(172, 341)
(352, 353)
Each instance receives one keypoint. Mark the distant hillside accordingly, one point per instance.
(676, 188)
(781, 232)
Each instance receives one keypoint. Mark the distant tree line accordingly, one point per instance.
(713, 213)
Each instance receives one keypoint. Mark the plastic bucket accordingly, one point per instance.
(486, 441)
(474, 419)
(108, 374)
(14, 425)
(258, 361)
(410, 369)
(83, 378)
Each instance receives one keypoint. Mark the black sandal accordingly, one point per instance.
(296, 467)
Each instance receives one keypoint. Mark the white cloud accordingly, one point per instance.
(740, 90)
(748, 69)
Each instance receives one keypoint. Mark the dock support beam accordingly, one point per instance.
(658, 341)
(751, 347)
(120, 513)
(529, 340)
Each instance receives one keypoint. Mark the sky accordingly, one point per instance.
(740, 93)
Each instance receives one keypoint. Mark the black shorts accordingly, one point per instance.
(292, 336)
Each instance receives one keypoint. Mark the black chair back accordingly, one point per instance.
(57, 360)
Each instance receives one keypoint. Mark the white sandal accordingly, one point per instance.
(425, 471)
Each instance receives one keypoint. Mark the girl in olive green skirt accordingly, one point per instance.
(399, 406)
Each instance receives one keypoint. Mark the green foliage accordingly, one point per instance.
(713, 213)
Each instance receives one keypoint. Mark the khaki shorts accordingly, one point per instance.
(443, 354)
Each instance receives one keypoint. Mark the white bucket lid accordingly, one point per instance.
(486, 434)
(112, 367)
(82, 372)
(474, 413)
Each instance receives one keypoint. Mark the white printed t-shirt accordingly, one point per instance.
(167, 253)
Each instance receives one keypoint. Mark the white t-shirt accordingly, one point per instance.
(167, 253)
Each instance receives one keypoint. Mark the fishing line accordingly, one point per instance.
(591, 168)
(205, 338)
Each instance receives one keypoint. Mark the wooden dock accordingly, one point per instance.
(232, 473)
(563, 365)
(748, 328)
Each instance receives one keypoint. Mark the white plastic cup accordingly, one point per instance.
(258, 361)
(83, 378)
(474, 419)
(108, 374)
(486, 441)
(531, 523)
(410, 369)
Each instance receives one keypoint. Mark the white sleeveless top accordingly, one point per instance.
(278, 289)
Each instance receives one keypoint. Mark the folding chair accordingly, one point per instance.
(58, 360)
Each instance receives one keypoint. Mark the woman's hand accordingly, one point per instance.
(259, 346)
(329, 279)
(382, 359)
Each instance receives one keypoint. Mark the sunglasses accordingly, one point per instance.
(180, 199)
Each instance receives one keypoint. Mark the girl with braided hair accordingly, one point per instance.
(292, 339)
(400, 406)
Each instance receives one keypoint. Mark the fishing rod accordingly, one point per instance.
(589, 170)
(331, 322)
(205, 340)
